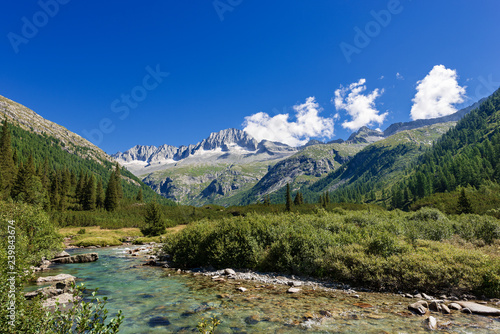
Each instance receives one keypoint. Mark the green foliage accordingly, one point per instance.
(32, 236)
(82, 231)
(382, 250)
(155, 224)
(98, 241)
(112, 195)
(208, 326)
(84, 317)
(7, 167)
(464, 205)
(288, 201)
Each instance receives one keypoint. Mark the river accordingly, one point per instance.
(156, 300)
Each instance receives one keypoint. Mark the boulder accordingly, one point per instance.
(241, 289)
(229, 271)
(64, 298)
(294, 284)
(293, 290)
(480, 309)
(419, 307)
(56, 289)
(455, 306)
(80, 258)
(435, 306)
(431, 323)
(49, 279)
(62, 254)
(445, 309)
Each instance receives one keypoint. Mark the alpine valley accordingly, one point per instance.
(232, 168)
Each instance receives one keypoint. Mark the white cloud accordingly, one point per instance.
(399, 76)
(360, 107)
(279, 128)
(436, 94)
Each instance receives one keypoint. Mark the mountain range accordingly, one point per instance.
(230, 167)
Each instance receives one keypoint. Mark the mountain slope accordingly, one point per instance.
(28, 120)
(468, 154)
(64, 150)
(380, 162)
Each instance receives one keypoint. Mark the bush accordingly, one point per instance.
(368, 249)
(81, 231)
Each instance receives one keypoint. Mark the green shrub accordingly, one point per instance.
(81, 231)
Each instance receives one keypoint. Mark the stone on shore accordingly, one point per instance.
(229, 271)
(49, 279)
(64, 298)
(80, 258)
(293, 290)
(480, 309)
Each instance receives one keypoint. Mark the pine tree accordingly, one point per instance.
(139, 197)
(99, 197)
(154, 222)
(111, 200)
(6, 161)
(464, 205)
(117, 174)
(89, 194)
(27, 187)
(267, 200)
(296, 200)
(288, 198)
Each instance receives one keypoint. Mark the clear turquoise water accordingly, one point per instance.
(154, 302)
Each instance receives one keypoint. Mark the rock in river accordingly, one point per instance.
(480, 309)
(419, 307)
(80, 258)
(60, 277)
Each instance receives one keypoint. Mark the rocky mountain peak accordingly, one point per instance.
(229, 137)
(365, 135)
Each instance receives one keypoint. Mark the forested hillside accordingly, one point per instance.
(467, 155)
(378, 166)
(401, 174)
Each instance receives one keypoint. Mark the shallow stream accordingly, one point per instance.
(156, 300)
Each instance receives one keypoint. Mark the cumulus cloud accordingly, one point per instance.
(437, 93)
(361, 107)
(279, 128)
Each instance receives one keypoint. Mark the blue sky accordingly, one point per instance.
(195, 67)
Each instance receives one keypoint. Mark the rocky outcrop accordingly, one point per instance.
(80, 258)
(57, 278)
(365, 136)
(56, 289)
